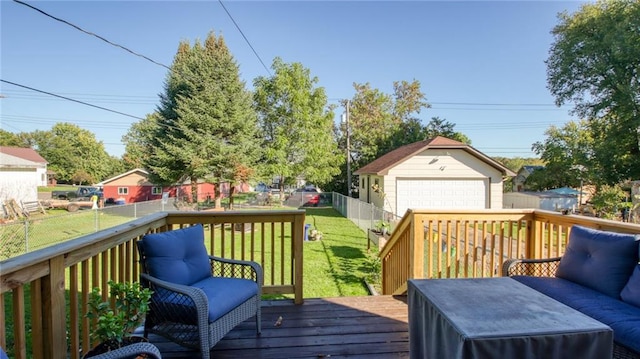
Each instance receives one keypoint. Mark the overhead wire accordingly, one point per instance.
(70, 99)
(245, 37)
(91, 34)
(255, 53)
(123, 48)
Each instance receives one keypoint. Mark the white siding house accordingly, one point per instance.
(434, 174)
(22, 171)
(546, 200)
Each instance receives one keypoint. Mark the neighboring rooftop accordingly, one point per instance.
(28, 154)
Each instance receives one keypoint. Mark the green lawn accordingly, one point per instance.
(336, 265)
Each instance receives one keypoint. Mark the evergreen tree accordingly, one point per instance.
(206, 127)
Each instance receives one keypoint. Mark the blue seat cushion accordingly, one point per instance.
(225, 294)
(631, 292)
(177, 256)
(622, 317)
(599, 260)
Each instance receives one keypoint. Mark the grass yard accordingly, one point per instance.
(336, 265)
(41, 231)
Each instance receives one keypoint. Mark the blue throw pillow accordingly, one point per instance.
(631, 292)
(177, 256)
(599, 260)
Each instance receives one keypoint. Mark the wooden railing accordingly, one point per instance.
(454, 244)
(48, 289)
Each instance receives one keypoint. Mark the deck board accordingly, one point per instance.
(357, 327)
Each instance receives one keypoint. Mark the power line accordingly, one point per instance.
(496, 109)
(245, 38)
(71, 99)
(491, 104)
(92, 34)
(24, 92)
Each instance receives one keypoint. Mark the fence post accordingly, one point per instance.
(135, 210)
(26, 236)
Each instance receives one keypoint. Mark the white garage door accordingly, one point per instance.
(446, 194)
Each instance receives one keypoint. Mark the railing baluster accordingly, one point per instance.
(74, 327)
(19, 324)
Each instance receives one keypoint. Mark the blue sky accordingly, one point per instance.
(480, 64)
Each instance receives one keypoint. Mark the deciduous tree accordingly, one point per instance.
(567, 156)
(594, 63)
(296, 125)
(71, 150)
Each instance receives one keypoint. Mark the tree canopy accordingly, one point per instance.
(380, 122)
(73, 153)
(205, 126)
(594, 63)
(296, 125)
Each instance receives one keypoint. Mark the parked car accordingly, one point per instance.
(307, 196)
(262, 187)
(82, 192)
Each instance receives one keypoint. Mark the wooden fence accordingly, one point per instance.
(456, 244)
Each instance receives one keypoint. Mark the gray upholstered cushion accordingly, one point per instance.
(599, 260)
(631, 292)
(177, 256)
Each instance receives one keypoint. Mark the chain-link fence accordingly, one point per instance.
(364, 215)
(40, 231)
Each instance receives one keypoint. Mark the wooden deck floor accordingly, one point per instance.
(354, 327)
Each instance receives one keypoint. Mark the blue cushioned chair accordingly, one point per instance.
(197, 298)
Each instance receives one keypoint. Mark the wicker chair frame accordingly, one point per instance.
(548, 268)
(131, 351)
(182, 314)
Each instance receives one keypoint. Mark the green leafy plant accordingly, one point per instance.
(373, 272)
(382, 227)
(606, 200)
(115, 324)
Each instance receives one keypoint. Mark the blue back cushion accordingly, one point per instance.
(177, 256)
(631, 292)
(599, 260)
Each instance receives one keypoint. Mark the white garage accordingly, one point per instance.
(433, 174)
(441, 194)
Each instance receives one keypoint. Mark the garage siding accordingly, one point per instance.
(445, 165)
(442, 194)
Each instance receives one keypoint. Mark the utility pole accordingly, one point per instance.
(346, 121)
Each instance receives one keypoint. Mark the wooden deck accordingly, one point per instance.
(354, 327)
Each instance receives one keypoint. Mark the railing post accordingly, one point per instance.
(532, 227)
(416, 240)
(298, 236)
(54, 311)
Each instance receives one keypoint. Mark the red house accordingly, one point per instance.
(134, 186)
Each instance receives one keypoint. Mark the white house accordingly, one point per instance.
(547, 200)
(23, 170)
(433, 174)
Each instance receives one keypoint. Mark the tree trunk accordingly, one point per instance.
(194, 190)
(232, 190)
(281, 187)
(218, 194)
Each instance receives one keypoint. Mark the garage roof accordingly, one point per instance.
(381, 165)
